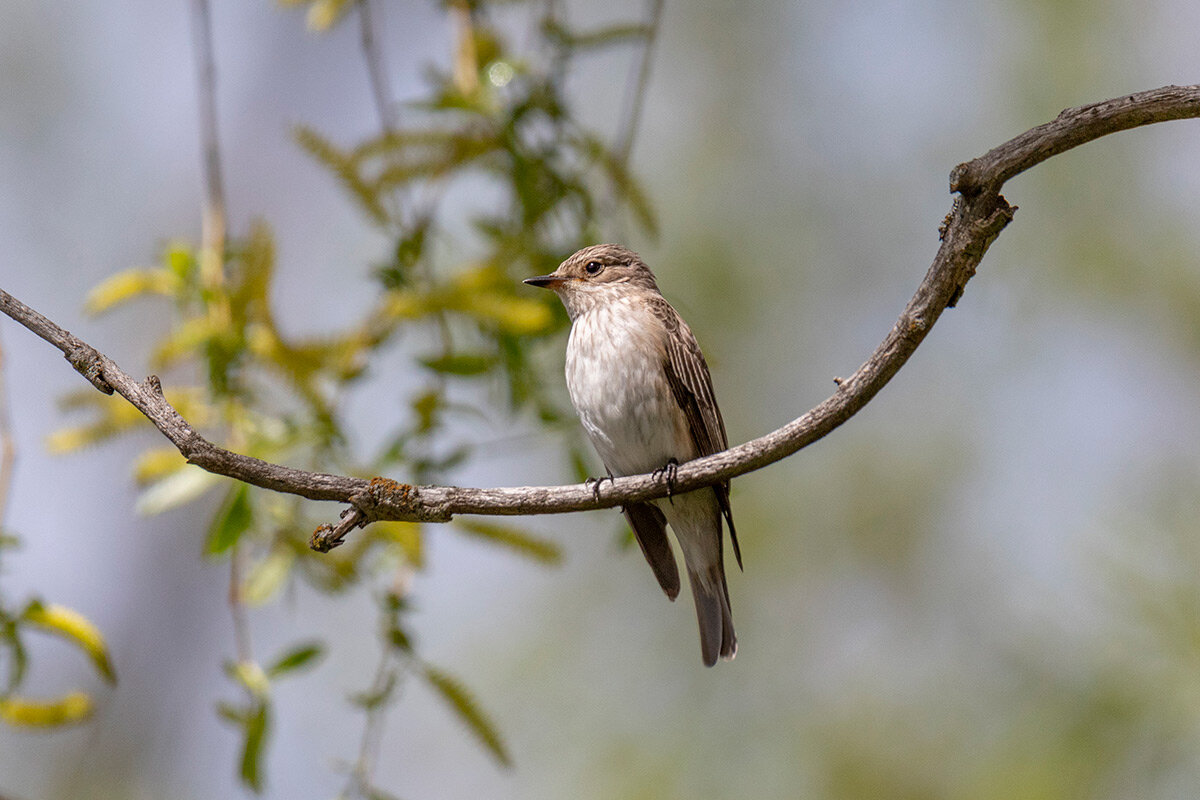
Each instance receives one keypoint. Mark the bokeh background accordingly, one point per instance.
(987, 585)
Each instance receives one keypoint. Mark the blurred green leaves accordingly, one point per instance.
(68, 708)
(460, 700)
(448, 289)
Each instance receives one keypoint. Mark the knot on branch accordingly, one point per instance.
(985, 217)
(326, 537)
(88, 363)
(383, 499)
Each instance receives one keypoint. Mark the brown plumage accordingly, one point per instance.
(643, 392)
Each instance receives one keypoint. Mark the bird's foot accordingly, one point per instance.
(667, 473)
(594, 484)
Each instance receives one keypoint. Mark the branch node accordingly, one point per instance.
(153, 385)
(838, 381)
(87, 362)
(962, 181)
(326, 537)
(389, 499)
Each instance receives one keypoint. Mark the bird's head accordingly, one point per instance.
(596, 274)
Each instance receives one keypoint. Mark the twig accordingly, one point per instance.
(977, 217)
(466, 58)
(237, 606)
(8, 450)
(213, 223)
(376, 68)
(635, 90)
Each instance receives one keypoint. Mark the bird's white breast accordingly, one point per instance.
(617, 382)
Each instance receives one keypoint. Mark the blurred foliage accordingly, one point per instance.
(70, 707)
(499, 115)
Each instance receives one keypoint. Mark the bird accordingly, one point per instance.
(644, 395)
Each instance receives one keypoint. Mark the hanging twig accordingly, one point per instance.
(376, 68)
(213, 222)
(635, 90)
(8, 449)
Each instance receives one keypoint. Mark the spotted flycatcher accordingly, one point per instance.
(642, 390)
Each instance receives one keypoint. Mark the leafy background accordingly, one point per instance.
(984, 586)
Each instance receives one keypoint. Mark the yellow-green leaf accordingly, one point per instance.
(177, 489)
(463, 364)
(257, 727)
(546, 552)
(235, 518)
(186, 339)
(76, 629)
(157, 463)
(324, 14)
(296, 658)
(267, 576)
(519, 316)
(129, 284)
(461, 702)
(22, 712)
(407, 535)
(115, 416)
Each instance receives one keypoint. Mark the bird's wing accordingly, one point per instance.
(691, 384)
(650, 529)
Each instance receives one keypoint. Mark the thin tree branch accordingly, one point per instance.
(977, 217)
(213, 224)
(8, 450)
(376, 69)
(635, 90)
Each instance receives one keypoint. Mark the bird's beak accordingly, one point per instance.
(545, 281)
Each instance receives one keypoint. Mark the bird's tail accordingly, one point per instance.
(712, 609)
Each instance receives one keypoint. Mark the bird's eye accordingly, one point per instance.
(593, 267)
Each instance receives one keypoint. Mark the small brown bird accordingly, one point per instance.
(642, 390)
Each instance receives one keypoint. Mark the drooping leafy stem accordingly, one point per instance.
(496, 115)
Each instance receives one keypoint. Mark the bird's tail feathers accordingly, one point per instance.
(712, 610)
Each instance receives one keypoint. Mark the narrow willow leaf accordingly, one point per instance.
(267, 576)
(299, 657)
(114, 416)
(231, 713)
(519, 316)
(378, 695)
(189, 338)
(22, 712)
(579, 464)
(157, 463)
(461, 702)
(462, 364)
(179, 258)
(324, 14)
(533, 547)
(69, 440)
(177, 489)
(257, 726)
(18, 658)
(622, 180)
(374, 793)
(251, 297)
(407, 536)
(602, 37)
(235, 518)
(342, 167)
(399, 639)
(129, 284)
(76, 629)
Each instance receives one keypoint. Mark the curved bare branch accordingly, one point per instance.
(977, 217)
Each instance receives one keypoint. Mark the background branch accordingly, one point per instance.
(977, 217)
